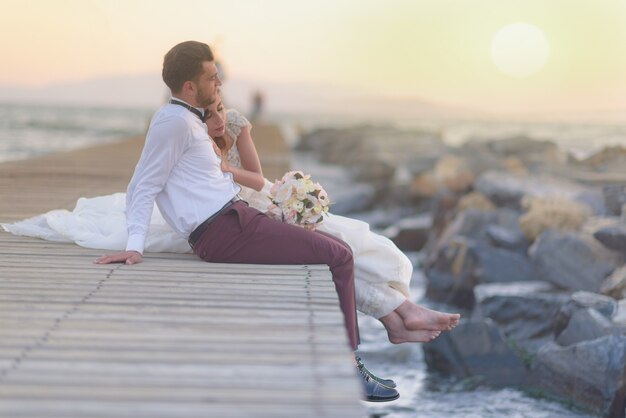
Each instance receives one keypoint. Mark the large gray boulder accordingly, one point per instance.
(464, 256)
(507, 189)
(509, 238)
(589, 375)
(605, 305)
(465, 263)
(357, 198)
(585, 316)
(476, 348)
(524, 312)
(584, 325)
(410, 234)
(495, 265)
(613, 237)
(571, 260)
(614, 198)
(475, 223)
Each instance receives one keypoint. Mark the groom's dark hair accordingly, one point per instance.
(184, 63)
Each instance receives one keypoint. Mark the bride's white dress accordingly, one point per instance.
(382, 271)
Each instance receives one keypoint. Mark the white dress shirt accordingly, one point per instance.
(179, 170)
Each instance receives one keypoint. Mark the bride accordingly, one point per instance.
(382, 271)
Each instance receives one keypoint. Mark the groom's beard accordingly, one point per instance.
(204, 100)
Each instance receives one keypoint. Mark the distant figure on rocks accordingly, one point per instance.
(257, 105)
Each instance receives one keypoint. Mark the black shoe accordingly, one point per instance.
(385, 382)
(374, 391)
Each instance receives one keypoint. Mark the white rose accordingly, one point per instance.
(283, 193)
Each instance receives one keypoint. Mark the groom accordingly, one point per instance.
(180, 170)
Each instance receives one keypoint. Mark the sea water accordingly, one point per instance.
(28, 131)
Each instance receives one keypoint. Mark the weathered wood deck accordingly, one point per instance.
(170, 337)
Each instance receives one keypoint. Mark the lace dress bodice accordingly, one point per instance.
(235, 122)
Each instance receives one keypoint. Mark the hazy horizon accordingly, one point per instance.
(494, 57)
(147, 91)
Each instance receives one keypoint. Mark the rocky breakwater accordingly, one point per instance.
(515, 237)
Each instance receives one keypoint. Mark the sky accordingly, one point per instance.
(436, 51)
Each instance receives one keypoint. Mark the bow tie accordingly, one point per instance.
(192, 109)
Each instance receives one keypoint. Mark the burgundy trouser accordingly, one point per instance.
(244, 235)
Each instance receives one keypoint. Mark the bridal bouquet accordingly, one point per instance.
(298, 200)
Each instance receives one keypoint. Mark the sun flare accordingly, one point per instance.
(520, 50)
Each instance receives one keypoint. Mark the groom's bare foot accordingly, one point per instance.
(419, 318)
(398, 333)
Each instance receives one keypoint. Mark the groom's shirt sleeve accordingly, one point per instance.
(166, 142)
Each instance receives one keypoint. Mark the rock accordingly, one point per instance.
(465, 262)
(374, 171)
(462, 257)
(443, 212)
(410, 234)
(507, 190)
(515, 165)
(524, 311)
(383, 218)
(449, 173)
(614, 198)
(452, 172)
(584, 316)
(420, 164)
(592, 197)
(357, 198)
(615, 285)
(606, 306)
(509, 239)
(474, 223)
(620, 316)
(453, 281)
(571, 261)
(532, 153)
(316, 140)
(583, 325)
(613, 237)
(500, 265)
(589, 375)
(516, 153)
(476, 348)
(551, 213)
(471, 223)
(596, 223)
(478, 161)
(475, 200)
(611, 158)
(424, 186)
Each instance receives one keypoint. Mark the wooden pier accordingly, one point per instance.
(170, 337)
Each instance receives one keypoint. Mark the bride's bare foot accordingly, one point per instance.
(418, 318)
(398, 333)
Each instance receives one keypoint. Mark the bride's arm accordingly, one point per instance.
(250, 173)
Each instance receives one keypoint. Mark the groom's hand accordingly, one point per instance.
(126, 257)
